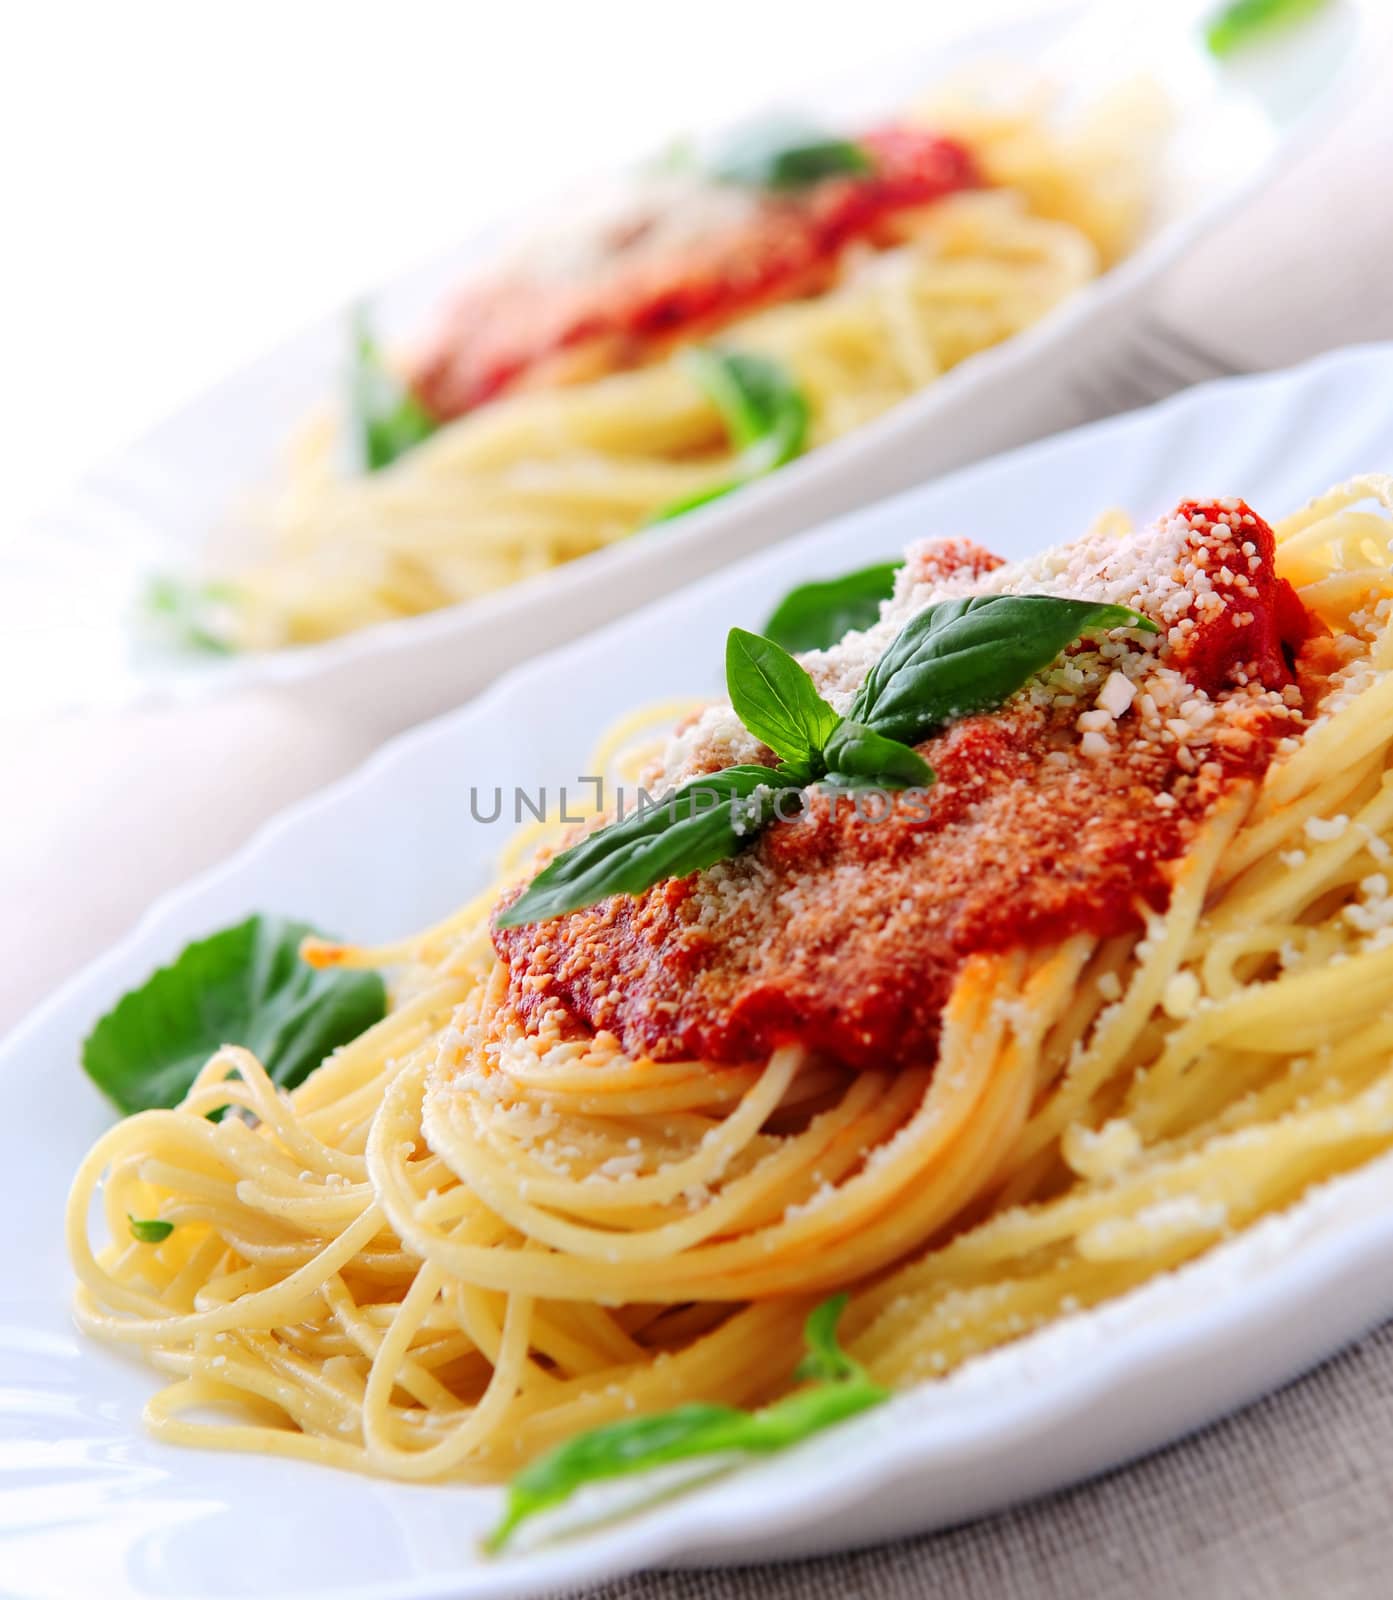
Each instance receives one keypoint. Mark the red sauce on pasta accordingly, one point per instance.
(648, 288)
(1065, 811)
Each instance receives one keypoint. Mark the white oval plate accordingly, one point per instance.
(89, 1505)
(78, 569)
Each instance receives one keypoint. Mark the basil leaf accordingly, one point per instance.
(634, 1445)
(775, 698)
(149, 1230)
(764, 412)
(694, 502)
(760, 404)
(856, 751)
(968, 655)
(786, 154)
(825, 1361)
(815, 615)
(189, 616)
(678, 156)
(245, 985)
(385, 419)
(1234, 26)
(838, 1388)
(707, 820)
(955, 658)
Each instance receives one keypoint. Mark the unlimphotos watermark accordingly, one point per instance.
(588, 795)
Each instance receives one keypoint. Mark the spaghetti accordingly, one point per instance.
(478, 1229)
(567, 419)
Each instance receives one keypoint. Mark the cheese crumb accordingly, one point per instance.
(1324, 829)
(1182, 995)
(1100, 1153)
(1117, 694)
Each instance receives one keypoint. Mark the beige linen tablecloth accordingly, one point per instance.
(1293, 1496)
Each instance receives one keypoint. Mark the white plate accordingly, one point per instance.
(76, 572)
(89, 1505)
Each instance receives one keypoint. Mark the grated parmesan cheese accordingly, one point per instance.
(1325, 829)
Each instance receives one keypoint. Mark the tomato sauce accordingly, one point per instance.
(846, 934)
(644, 295)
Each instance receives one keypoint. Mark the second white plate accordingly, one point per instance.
(74, 576)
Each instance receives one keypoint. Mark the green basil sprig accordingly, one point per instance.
(815, 615)
(759, 402)
(149, 1230)
(859, 756)
(963, 656)
(783, 154)
(951, 660)
(705, 821)
(764, 412)
(776, 700)
(836, 1387)
(188, 616)
(385, 419)
(245, 985)
(713, 817)
(1234, 26)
